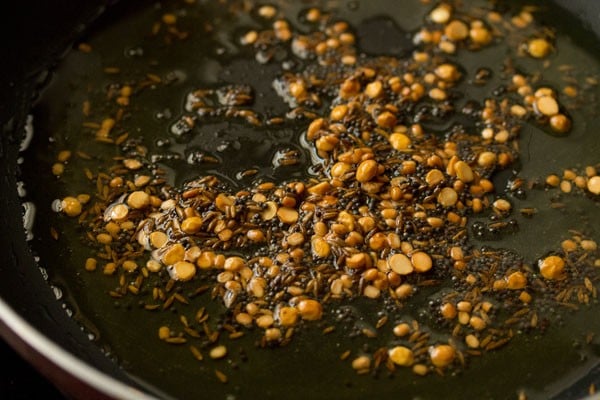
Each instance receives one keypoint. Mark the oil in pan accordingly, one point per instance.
(329, 199)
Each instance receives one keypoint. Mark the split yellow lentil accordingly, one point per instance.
(552, 267)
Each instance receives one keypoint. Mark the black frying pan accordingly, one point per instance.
(31, 319)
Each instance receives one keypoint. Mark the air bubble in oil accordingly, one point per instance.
(136, 51)
(56, 205)
(28, 219)
(58, 293)
(163, 114)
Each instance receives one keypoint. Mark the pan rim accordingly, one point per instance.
(15, 328)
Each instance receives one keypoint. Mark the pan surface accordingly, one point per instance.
(310, 365)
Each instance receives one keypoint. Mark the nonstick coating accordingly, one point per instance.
(31, 319)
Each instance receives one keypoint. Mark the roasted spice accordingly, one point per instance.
(386, 214)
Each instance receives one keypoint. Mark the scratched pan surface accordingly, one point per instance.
(120, 337)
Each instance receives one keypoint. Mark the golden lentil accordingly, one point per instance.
(400, 264)
(593, 185)
(552, 267)
(539, 47)
(90, 264)
(366, 171)
(138, 200)
(447, 197)
(71, 206)
(456, 30)
(310, 309)
(402, 356)
(442, 355)
(441, 14)
(421, 261)
(164, 332)
(361, 363)
(560, 123)
(183, 271)
(218, 352)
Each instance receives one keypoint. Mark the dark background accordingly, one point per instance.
(23, 53)
(19, 380)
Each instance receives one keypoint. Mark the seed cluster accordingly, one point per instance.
(587, 180)
(385, 216)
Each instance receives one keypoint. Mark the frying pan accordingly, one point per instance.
(31, 318)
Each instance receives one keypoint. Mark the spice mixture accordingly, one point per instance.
(385, 212)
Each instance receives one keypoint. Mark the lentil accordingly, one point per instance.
(310, 309)
(464, 172)
(434, 177)
(448, 311)
(361, 363)
(138, 200)
(366, 171)
(399, 141)
(516, 280)
(538, 48)
(547, 105)
(447, 197)
(560, 123)
(593, 185)
(173, 254)
(402, 356)
(183, 271)
(552, 267)
(71, 206)
(442, 355)
(191, 224)
(440, 14)
(287, 215)
(164, 332)
(456, 30)
(400, 264)
(218, 352)
(288, 316)
(90, 264)
(129, 265)
(421, 261)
